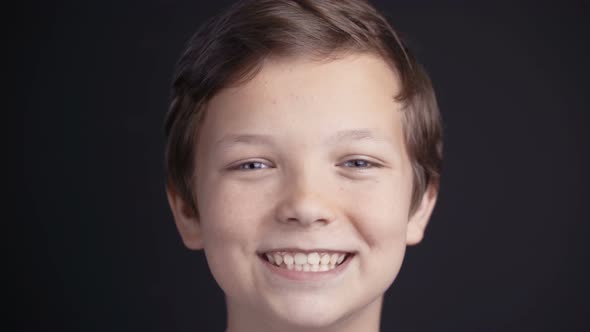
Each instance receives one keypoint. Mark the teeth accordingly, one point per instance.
(312, 262)
(300, 258)
(279, 259)
(333, 259)
(313, 258)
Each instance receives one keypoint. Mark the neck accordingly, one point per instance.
(244, 318)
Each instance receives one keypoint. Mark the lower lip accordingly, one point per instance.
(308, 276)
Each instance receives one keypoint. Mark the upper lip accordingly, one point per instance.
(295, 249)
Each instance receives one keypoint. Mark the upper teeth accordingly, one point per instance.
(300, 261)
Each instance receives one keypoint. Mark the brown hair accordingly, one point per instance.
(229, 49)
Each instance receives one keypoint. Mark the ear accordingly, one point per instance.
(419, 220)
(186, 219)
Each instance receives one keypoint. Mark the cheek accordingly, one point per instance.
(230, 220)
(382, 213)
(231, 214)
(380, 218)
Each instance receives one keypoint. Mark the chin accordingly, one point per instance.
(301, 312)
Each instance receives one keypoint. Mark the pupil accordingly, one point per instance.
(252, 165)
(359, 163)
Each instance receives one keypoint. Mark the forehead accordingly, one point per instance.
(297, 96)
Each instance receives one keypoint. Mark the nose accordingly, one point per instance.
(306, 202)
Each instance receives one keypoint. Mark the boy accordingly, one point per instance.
(303, 155)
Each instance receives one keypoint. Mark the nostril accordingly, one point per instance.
(305, 208)
(306, 221)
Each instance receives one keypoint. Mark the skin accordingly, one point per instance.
(305, 155)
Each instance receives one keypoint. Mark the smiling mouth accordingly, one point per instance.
(307, 262)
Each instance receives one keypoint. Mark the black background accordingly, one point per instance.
(506, 249)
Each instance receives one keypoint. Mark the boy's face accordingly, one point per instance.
(307, 157)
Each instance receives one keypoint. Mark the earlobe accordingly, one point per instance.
(419, 220)
(187, 221)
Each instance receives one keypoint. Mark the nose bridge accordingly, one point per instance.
(305, 197)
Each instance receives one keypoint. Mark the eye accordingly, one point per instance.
(251, 165)
(359, 163)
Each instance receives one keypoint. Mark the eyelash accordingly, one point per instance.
(369, 164)
(240, 167)
(263, 165)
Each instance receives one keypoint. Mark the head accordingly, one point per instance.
(302, 127)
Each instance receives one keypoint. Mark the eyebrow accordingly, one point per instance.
(230, 140)
(234, 139)
(352, 135)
